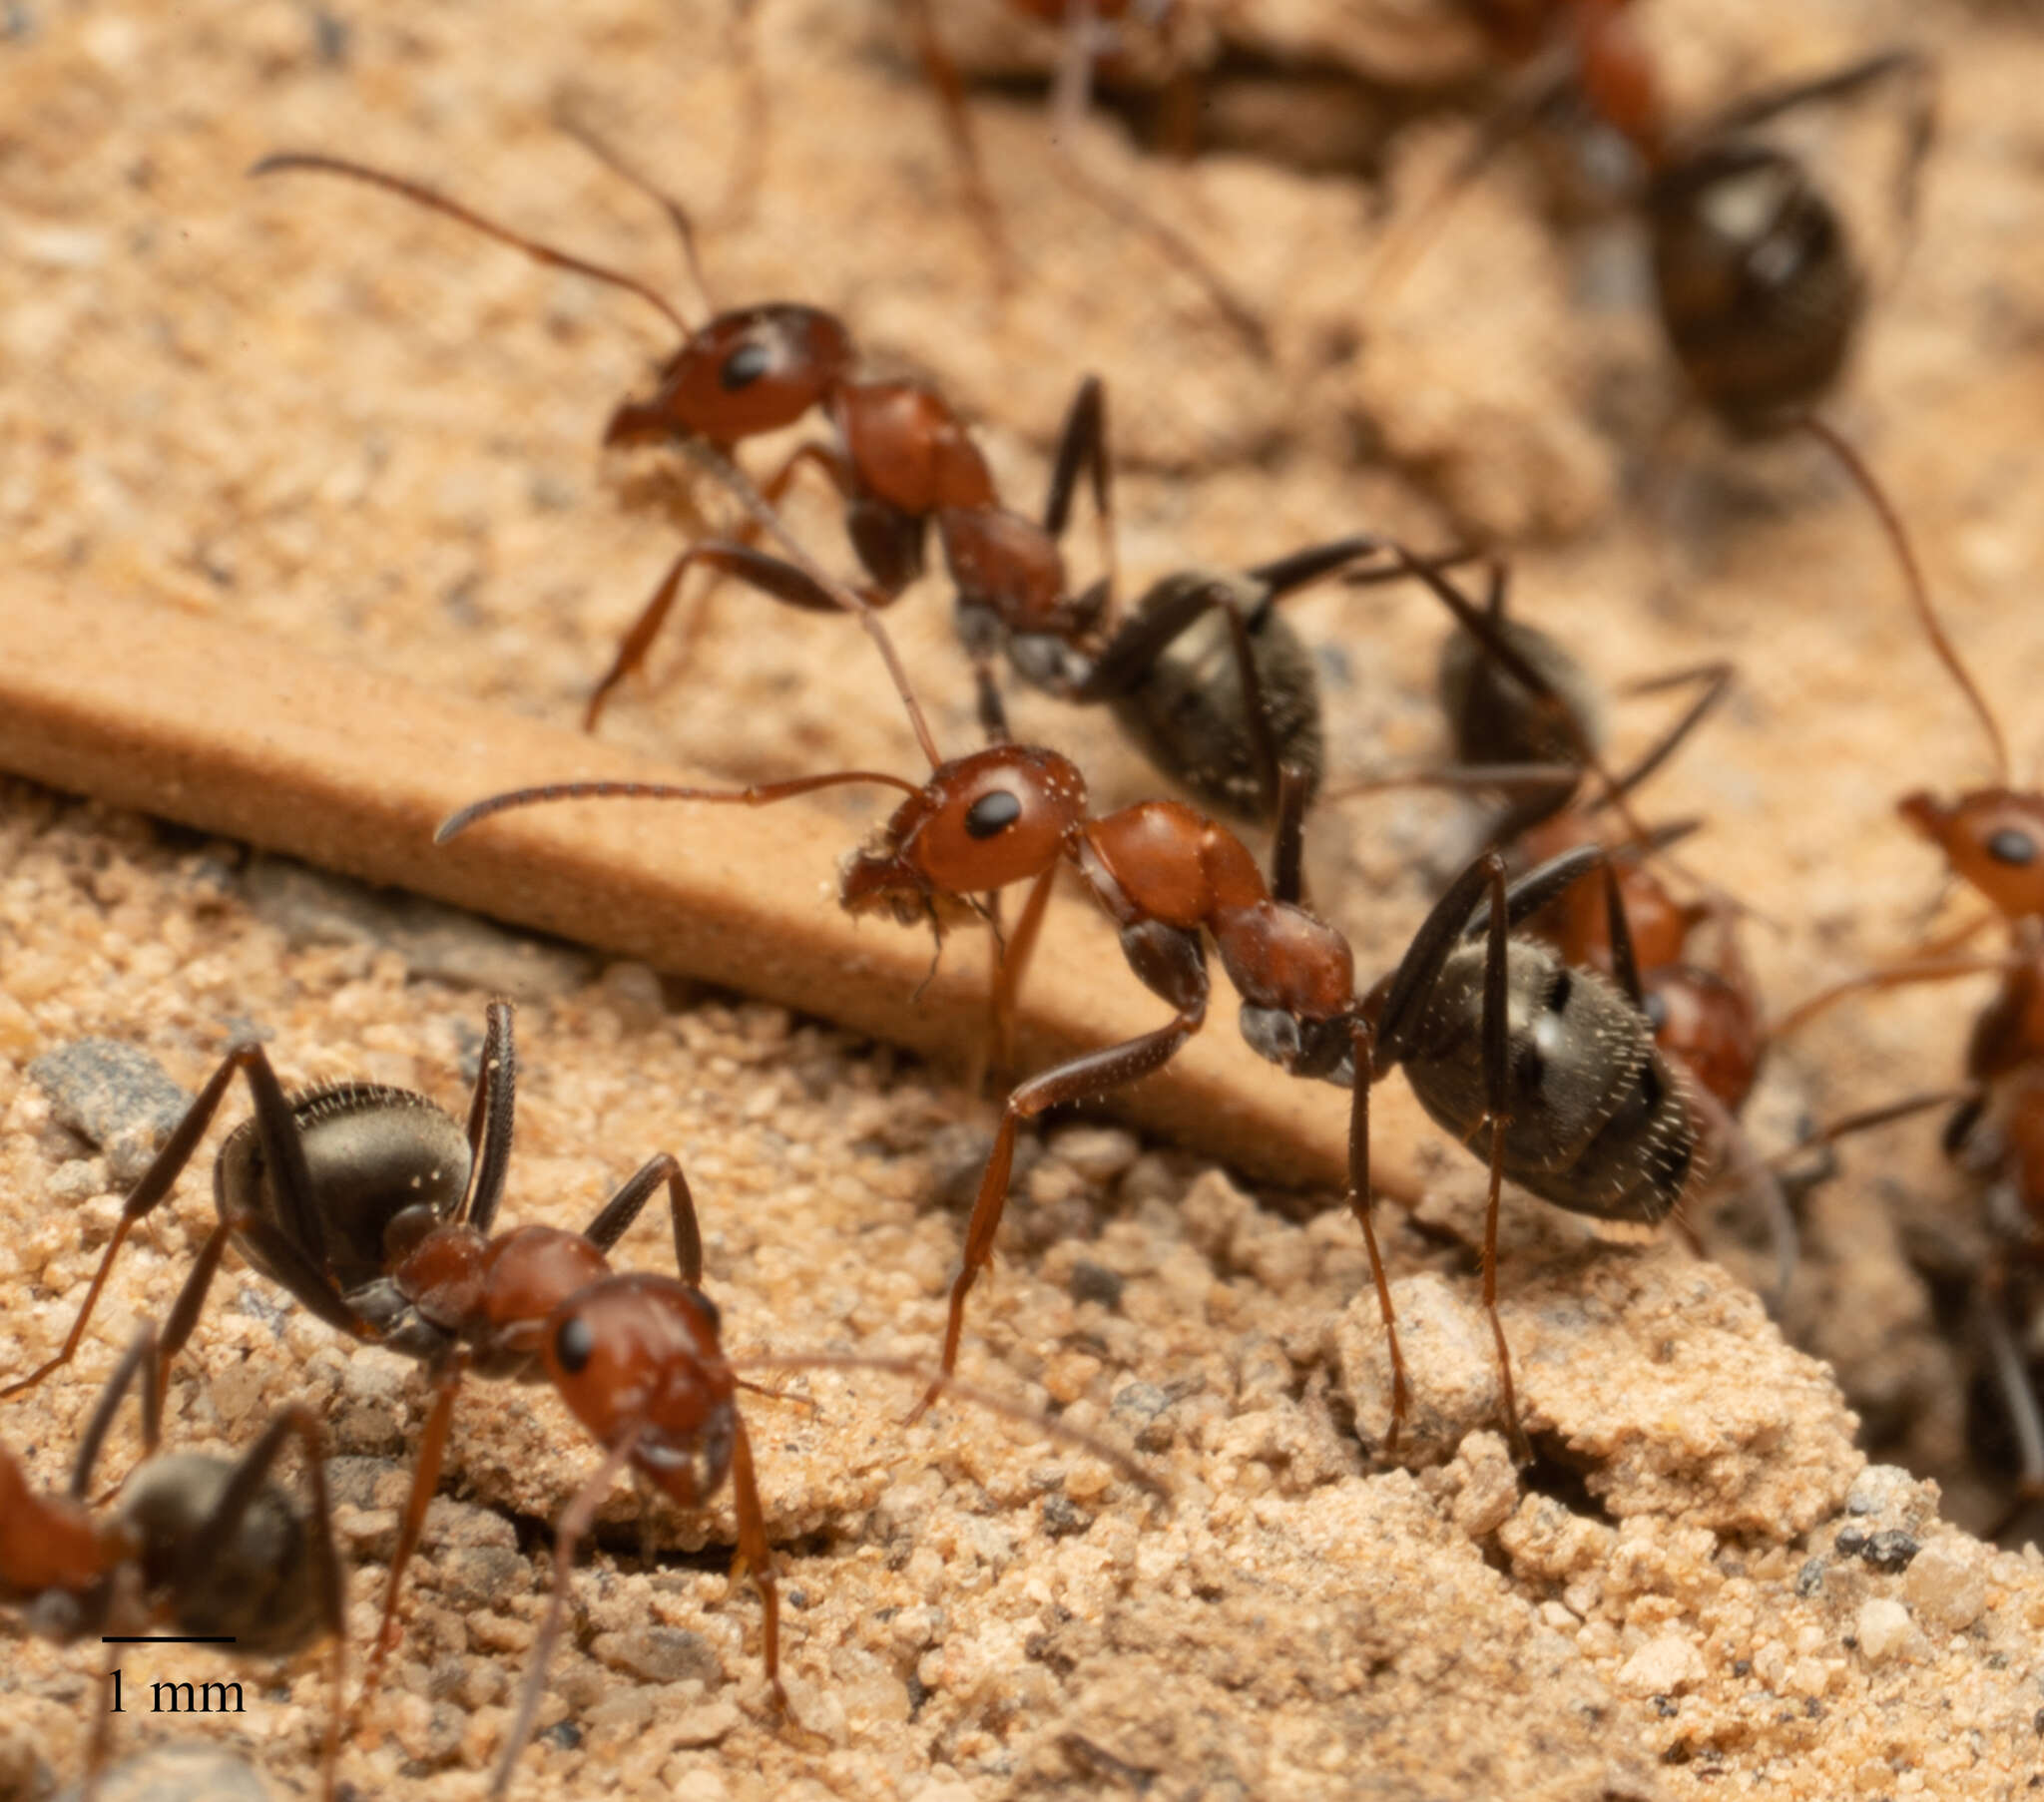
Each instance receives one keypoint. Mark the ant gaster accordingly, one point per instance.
(1558, 1064)
(374, 1209)
(208, 1547)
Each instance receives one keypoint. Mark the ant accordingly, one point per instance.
(902, 462)
(638, 1361)
(1558, 1064)
(208, 1547)
(1756, 285)
(1993, 839)
(374, 1209)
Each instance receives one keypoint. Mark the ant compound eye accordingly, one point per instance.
(574, 1345)
(996, 811)
(2012, 846)
(745, 366)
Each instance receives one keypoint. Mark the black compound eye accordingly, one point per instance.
(1564, 987)
(2011, 845)
(574, 1345)
(994, 812)
(746, 365)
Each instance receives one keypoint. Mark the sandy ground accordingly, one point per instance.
(313, 412)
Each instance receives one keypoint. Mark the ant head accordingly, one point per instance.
(1001, 815)
(745, 372)
(46, 1542)
(640, 1353)
(1993, 838)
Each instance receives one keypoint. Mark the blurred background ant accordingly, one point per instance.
(208, 1547)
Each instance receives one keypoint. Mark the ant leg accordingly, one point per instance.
(767, 573)
(1081, 1079)
(623, 1208)
(1412, 984)
(1081, 444)
(574, 1523)
(950, 86)
(1497, 1114)
(1014, 962)
(426, 1478)
(2012, 1373)
(164, 1170)
(1714, 680)
(756, 1554)
(1171, 963)
(490, 1113)
(140, 1359)
(1288, 848)
(1362, 1203)
(212, 1541)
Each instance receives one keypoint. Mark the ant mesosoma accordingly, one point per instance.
(208, 1547)
(1558, 1064)
(374, 1209)
(638, 1361)
(1218, 705)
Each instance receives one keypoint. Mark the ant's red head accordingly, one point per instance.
(1001, 815)
(1993, 838)
(744, 374)
(642, 1352)
(46, 1542)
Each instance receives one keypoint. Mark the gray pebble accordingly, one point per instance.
(660, 1654)
(115, 1096)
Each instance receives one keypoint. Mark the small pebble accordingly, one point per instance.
(1947, 1585)
(115, 1096)
(176, 1773)
(1882, 1628)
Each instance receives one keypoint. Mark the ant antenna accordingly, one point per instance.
(770, 521)
(1862, 478)
(435, 201)
(568, 118)
(760, 795)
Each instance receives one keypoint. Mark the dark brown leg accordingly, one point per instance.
(1497, 1112)
(1094, 1073)
(623, 1208)
(1082, 445)
(1287, 847)
(426, 1478)
(138, 1360)
(280, 1148)
(574, 1523)
(1714, 680)
(1360, 1203)
(491, 1109)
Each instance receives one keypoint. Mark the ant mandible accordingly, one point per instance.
(374, 1209)
(205, 1545)
(1560, 1064)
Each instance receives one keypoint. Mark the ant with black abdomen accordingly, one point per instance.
(1557, 1064)
(205, 1545)
(374, 1209)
